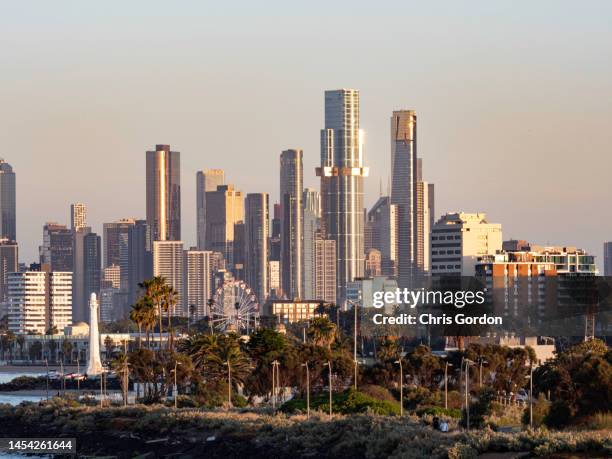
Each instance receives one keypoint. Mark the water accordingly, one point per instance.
(17, 399)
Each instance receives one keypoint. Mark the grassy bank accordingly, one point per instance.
(127, 432)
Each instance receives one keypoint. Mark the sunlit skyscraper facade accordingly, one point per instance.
(342, 172)
(8, 222)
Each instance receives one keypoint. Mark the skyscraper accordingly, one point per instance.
(164, 193)
(224, 208)
(168, 262)
(140, 258)
(275, 236)
(404, 192)
(342, 172)
(382, 223)
(312, 223)
(8, 208)
(56, 249)
(87, 254)
(116, 250)
(9, 261)
(78, 217)
(257, 232)
(325, 269)
(291, 189)
(198, 279)
(607, 258)
(206, 180)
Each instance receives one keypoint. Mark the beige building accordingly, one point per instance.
(293, 311)
(325, 269)
(198, 282)
(78, 216)
(168, 263)
(224, 209)
(457, 241)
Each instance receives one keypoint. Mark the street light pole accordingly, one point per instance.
(531, 396)
(330, 389)
(176, 364)
(467, 392)
(47, 365)
(307, 390)
(401, 386)
(446, 384)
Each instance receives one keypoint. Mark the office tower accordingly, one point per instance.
(78, 217)
(168, 263)
(404, 192)
(382, 229)
(8, 208)
(198, 279)
(56, 250)
(206, 180)
(116, 247)
(325, 269)
(107, 304)
(291, 188)
(607, 258)
(312, 223)
(342, 172)
(9, 261)
(275, 236)
(87, 253)
(274, 282)
(373, 263)
(422, 227)
(111, 277)
(239, 250)
(257, 232)
(459, 239)
(164, 193)
(140, 258)
(224, 208)
(39, 300)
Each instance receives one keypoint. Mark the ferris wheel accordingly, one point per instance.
(234, 307)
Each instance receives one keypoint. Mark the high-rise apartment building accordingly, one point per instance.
(459, 239)
(291, 211)
(382, 227)
(342, 172)
(87, 253)
(325, 269)
(168, 262)
(373, 263)
(111, 277)
(224, 208)
(607, 258)
(275, 234)
(9, 262)
(198, 282)
(404, 192)
(164, 193)
(312, 224)
(116, 250)
(140, 258)
(56, 249)
(206, 180)
(39, 300)
(274, 282)
(423, 224)
(8, 199)
(257, 233)
(78, 216)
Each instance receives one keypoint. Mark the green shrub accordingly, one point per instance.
(559, 414)
(481, 409)
(238, 401)
(462, 451)
(541, 407)
(347, 402)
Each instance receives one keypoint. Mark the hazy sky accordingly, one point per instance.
(514, 101)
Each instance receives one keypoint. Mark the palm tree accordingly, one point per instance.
(322, 332)
(169, 300)
(20, 342)
(66, 350)
(200, 347)
(137, 316)
(153, 289)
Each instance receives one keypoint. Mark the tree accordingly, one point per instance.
(108, 346)
(20, 342)
(66, 350)
(153, 289)
(322, 332)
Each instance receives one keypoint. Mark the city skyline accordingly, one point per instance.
(538, 75)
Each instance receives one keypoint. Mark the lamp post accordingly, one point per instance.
(530, 395)
(330, 389)
(176, 364)
(307, 390)
(78, 376)
(467, 392)
(275, 377)
(446, 384)
(47, 365)
(480, 361)
(401, 386)
(229, 384)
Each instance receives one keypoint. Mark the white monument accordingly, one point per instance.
(94, 364)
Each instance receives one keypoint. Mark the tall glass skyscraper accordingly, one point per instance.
(8, 212)
(404, 192)
(206, 180)
(257, 233)
(342, 172)
(291, 189)
(164, 193)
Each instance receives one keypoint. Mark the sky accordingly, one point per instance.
(514, 102)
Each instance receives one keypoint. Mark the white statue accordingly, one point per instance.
(94, 364)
